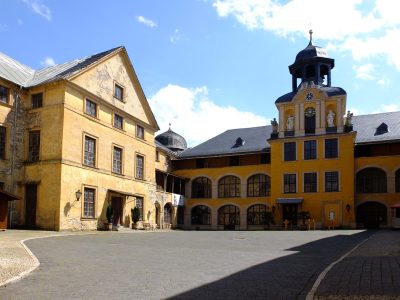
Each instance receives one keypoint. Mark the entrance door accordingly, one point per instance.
(30, 204)
(167, 213)
(289, 212)
(117, 211)
(158, 215)
(371, 214)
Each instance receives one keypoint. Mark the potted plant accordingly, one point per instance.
(109, 216)
(135, 213)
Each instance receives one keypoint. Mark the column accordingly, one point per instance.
(323, 121)
(339, 116)
(296, 119)
(243, 219)
(317, 117)
(214, 218)
(301, 113)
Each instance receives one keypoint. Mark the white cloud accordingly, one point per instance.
(39, 8)
(146, 21)
(355, 111)
(48, 62)
(344, 24)
(196, 117)
(388, 108)
(383, 81)
(365, 71)
(175, 36)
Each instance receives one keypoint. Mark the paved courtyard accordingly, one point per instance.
(181, 265)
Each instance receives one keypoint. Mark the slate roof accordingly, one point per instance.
(366, 126)
(256, 137)
(329, 90)
(23, 75)
(255, 140)
(165, 149)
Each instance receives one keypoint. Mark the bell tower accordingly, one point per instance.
(314, 106)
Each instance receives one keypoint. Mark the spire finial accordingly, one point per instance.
(169, 125)
(311, 32)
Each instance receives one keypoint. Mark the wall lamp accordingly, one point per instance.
(78, 195)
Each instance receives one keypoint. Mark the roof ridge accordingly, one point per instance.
(378, 113)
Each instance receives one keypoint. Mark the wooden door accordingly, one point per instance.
(117, 210)
(30, 204)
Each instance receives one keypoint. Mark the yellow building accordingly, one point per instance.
(75, 138)
(312, 167)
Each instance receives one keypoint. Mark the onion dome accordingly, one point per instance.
(172, 140)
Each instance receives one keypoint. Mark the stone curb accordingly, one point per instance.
(311, 294)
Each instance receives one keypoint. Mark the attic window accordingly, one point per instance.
(118, 92)
(239, 142)
(381, 129)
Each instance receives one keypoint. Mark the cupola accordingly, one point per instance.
(173, 141)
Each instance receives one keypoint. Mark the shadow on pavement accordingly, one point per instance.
(288, 277)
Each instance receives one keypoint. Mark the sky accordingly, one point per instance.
(207, 66)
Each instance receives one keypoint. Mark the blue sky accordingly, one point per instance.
(207, 66)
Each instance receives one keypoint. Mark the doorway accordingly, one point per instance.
(372, 214)
(117, 206)
(168, 213)
(30, 205)
(289, 212)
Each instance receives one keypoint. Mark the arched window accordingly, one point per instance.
(229, 215)
(397, 181)
(371, 180)
(257, 215)
(258, 185)
(201, 215)
(309, 120)
(201, 187)
(229, 186)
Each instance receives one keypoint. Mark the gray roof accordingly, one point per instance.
(20, 74)
(256, 137)
(255, 140)
(165, 149)
(366, 126)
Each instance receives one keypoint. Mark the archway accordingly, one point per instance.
(372, 214)
(168, 213)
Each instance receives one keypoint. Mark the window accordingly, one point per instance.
(371, 180)
(118, 121)
(397, 182)
(139, 204)
(118, 92)
(2, 142)
(157, 156)
(229, 186)
(34, 146)
(88, 202)
(234, 161)
(331, 148)
(201, 215)
(200, 163)
(290, 151)
(201, 187)
(310, 150)
(289, 183)
(117, 160)
(37, 100)
(258, 185)
(91, 108)
(331, 182)
(140, 132)
(310, 182)
(139, 167)
(229, 215)
(257, 215)
(89, 158)
(4, 94)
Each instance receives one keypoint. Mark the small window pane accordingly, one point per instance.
(331, 148)
(140, 132)
(91, 108)
(37, 100)
(331, 182)
(4, 94)
(118, 121)
(290, 151)
(118, 92)
(88, 202)
(117, 160)
(310, 182)
(289, 183)
(90, 152)
(139, 166)
(310, 150)
(34, 146)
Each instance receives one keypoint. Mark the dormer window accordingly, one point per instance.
(118, 92)
(239, 142)
(381, 129)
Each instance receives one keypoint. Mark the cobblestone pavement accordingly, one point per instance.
(372, 271)
(181, 265)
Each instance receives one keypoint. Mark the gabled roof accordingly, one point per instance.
(254, 140)
(20, 74)
(366, 126)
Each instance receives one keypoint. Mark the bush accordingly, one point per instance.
(109, 213)
(135, 214)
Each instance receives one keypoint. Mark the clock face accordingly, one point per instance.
(309, 112)
(309, 96)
